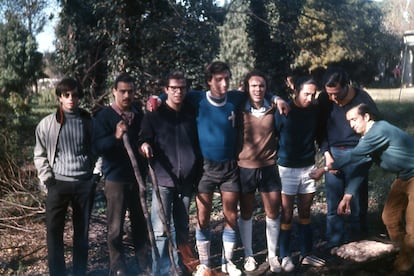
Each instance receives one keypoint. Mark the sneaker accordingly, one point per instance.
(274, 264)
(312, 260)
(230, 269)
(202, 270)
(250, 264)
(287, 264)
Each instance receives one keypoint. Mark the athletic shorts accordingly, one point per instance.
(223, 176)
(265, 179)
(296, 180)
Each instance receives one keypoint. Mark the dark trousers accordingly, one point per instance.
(121, 196)
(60, 195)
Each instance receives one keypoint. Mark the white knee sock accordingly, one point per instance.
(203, 245)
(272, 235)
(229, 243)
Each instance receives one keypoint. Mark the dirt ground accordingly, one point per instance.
(24, 253)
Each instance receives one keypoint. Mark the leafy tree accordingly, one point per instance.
(399, 16)
(30, 12)
(235, 43)
(20, 63)
(98, 39)
(259, 34)
(272, 27)
(327, 34)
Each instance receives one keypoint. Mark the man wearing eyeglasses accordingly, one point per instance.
(121, 188)
(169, 140)
(64, 162)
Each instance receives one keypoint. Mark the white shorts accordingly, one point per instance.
(296, 180)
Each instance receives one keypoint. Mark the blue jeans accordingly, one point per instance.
(176, 211)
(341, 229)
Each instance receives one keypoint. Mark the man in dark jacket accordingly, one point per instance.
(121, 188)
(169, 140)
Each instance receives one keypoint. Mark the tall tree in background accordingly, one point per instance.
(20, 63)
(259, 34)
(80, 49)
(328, 34)
(272, 25)
(235, 43)
(99, 39)
(399, 16)
(32, 13)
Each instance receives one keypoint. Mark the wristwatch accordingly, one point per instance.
(326, 169)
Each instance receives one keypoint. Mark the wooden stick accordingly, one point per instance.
(142, 189)
(155, 188)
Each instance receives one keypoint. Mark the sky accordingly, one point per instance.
(45, 39)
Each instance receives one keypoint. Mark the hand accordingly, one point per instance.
(146, 150)
(153, 103)
(282, 106)
(121, 128)
(317, 173)
(328, 162)
(344, 206)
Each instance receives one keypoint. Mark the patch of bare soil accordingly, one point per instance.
(25, 253)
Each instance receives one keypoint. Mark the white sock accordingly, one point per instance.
(272, 235)
(246, 231)
(203, 248)
(229, 243)
(228, 248)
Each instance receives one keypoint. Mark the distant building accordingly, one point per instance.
(47, 83)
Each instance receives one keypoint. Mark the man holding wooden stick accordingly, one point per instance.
(121, 188)
(169, 139)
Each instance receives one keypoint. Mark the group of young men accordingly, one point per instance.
(197, 143)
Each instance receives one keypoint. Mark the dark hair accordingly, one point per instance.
(301, 81)
(124, 77)
(253, 73)
(68, 84)
(363, 109)
(216, 67)
(334, 76)
(174, 75)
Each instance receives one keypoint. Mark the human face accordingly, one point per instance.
(69, 100)
(219, 84)
(357, 121)
(305, 96)
(257, 89)
(176, 90)
(337, 93)
(124, 95)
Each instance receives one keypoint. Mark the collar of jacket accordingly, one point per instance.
(60, 115)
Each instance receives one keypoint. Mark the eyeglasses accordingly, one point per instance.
(177, 88)
(67, 94)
